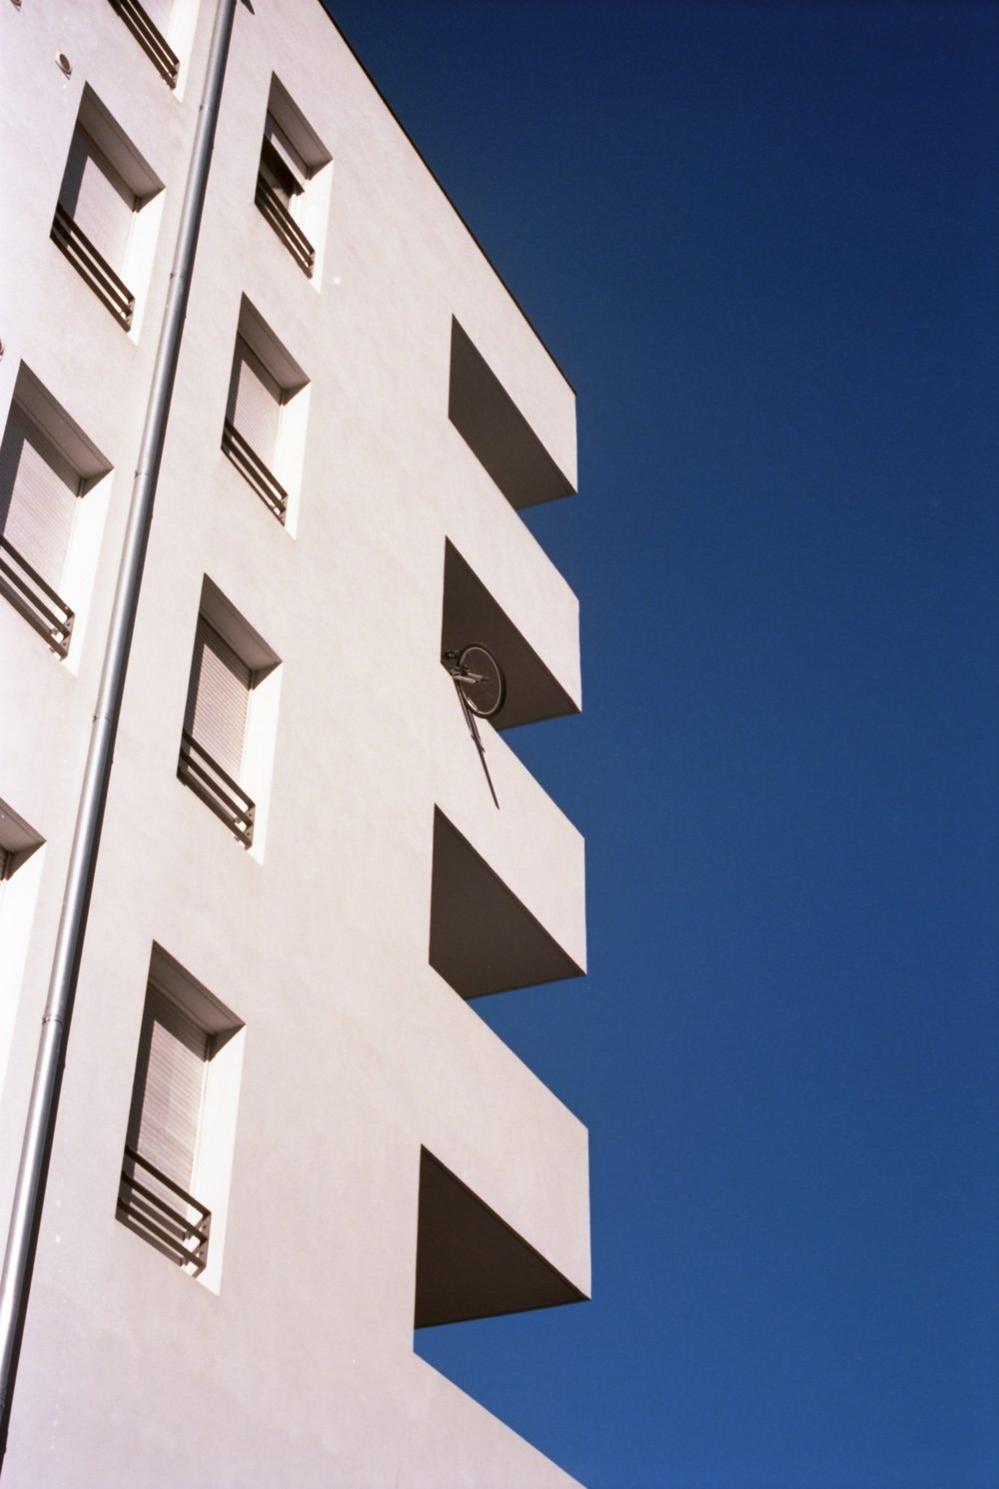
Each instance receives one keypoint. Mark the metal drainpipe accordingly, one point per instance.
(40, 1121)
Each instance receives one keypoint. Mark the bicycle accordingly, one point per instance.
(479, 679)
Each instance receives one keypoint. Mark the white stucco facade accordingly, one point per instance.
(368, 1148)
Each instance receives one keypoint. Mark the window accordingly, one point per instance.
(19, 885)
(17, 841)
(105, 184)
(176, 1163)
(229, 661)
(38, 491)
(215, 729)
(148, 24)
(162, 1141)
(264, 380)
(281, 166)
(46, 464)
(291, 155)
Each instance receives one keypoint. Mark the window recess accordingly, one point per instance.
(105, 184)
(46, 465)
(158, 1168)
(170, 1177)
(264, 380)
(291, 156)
(19, 886)
(148, 23)
(229, 661)
(17, 841)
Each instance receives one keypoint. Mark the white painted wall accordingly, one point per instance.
(299, 1369)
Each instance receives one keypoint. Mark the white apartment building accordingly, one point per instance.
(285, 1138)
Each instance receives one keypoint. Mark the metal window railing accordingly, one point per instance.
(37, 601)
(252, 469)
(151, 40)
(285, 226)
(153, 1215)
(93, 267)
(216, 787)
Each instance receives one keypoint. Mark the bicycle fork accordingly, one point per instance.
(473, 730)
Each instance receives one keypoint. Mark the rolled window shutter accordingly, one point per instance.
(294, 165)
(256, 403)
(169, 1088)
(217, 699)
(38, 491)
(97, 199)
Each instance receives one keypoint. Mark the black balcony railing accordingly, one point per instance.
(252, 468)
(217, 789)
(94, 268)
(285, 226)
(152, 41)
(160, 1218)
(37, 601)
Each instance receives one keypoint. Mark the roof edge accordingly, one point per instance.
(448, 198)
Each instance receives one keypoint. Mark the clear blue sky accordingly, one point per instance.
(760, 238)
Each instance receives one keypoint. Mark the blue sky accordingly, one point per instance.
(760, 238)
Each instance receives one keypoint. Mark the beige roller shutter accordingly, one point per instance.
(97, 199)
(169, 1089)
(38, 491)
(255, 403)
(218, 698)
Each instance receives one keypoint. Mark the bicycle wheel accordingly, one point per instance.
(486, 694)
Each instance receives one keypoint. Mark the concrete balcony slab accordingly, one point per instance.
(469, 1262)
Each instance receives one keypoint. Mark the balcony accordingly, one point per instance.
(155, 1216)
(37, 601)
(483, 938)
(93, 267)
(285, 226)
(216, 788)
(469, 1262)
(497, 432)
(253, 470)
(151, 40)
(471, 614)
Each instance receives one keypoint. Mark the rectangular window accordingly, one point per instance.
(174, 1178)
(255, 398)
(148, 23)
(250, 432)
(264, 379)
(94, 195)
(291, 156)
(105, 184)
(230, 660)
(169, 1090)
(46, 464)
(19, 885)
(17, 841)
(280, 163)
(38, 493)
(217, 699)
